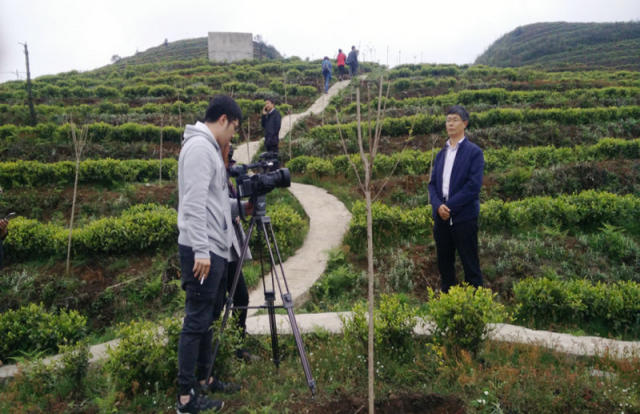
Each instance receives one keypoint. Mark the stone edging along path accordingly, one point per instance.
(329, 220)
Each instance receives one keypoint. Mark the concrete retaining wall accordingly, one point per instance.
(230, 47)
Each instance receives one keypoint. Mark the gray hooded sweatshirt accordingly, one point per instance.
(204, 208)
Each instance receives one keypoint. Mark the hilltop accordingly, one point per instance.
(189, 49)
(562, 45)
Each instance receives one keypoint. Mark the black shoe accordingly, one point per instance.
(198, 403)
(220, 386)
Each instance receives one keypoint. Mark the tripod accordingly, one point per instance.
(277, 279)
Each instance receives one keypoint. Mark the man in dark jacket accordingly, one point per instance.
(352, 61)
(271, 123)
(454, 192)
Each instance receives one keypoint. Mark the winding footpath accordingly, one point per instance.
(329, 221)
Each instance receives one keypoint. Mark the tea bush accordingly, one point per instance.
(31, 328)
(39, 385)
(394, 321)
(544, 300)
(461, 317)
(146, 358)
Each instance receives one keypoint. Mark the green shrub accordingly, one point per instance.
(339, 280)
(399, 272)
(146, 358)
(33, 386)
(461, 317)
(139, 228)
(394, 321)
(32, 329)
(320, 168)
(545, 300)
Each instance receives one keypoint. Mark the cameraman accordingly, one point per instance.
(271, 120)
(204, 243)
(4, 230)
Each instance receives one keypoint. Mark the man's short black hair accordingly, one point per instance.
(223, 105)
(460, 111)
(271, 99)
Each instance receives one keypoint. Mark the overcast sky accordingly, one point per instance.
(83, 34)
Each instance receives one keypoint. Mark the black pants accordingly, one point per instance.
(240, 296)
(202, 306)
(462, 237)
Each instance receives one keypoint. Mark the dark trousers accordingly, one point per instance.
(240, 296)
(202, 306)
(271, 147)
(462, 237)
(341, 71)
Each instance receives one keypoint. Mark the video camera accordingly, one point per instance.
(268, 177)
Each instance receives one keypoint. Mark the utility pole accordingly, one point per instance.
(32, 110)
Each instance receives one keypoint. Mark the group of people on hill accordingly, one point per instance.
(342, 61)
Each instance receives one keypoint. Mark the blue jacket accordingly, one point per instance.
(464, 187)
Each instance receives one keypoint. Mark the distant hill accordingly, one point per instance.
(189, 49)
(569, 46)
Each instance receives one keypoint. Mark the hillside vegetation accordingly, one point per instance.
(188, 49)
(559, 238)
(562, 45)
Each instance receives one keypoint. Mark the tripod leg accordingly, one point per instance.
(229, 303)
(288, 304)
(270, 298)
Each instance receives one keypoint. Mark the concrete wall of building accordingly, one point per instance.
(230, 47)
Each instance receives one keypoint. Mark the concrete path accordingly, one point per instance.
(328, 222)
(565, 343)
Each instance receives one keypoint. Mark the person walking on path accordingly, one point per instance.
(454, 192)
(340, 62)
(271, 120)
(326, 73)
(204, 243)
(352, 61)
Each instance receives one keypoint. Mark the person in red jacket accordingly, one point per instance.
(340, 61)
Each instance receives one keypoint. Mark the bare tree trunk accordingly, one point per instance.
(365, 185)
(78, 146)
(32, 111)
(370, 298)
(161, 147)
(370, 289)
(290, 134)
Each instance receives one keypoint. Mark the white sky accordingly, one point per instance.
(83, 34)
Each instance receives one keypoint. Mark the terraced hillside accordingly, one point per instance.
(571, 46)
(561, 193)
(559, 236)
(188, 49)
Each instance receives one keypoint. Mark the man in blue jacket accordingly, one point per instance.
(454, 192)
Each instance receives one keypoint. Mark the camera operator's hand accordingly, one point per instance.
(444, 212)
(248, 208)
(4, 228)
(201, 269)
